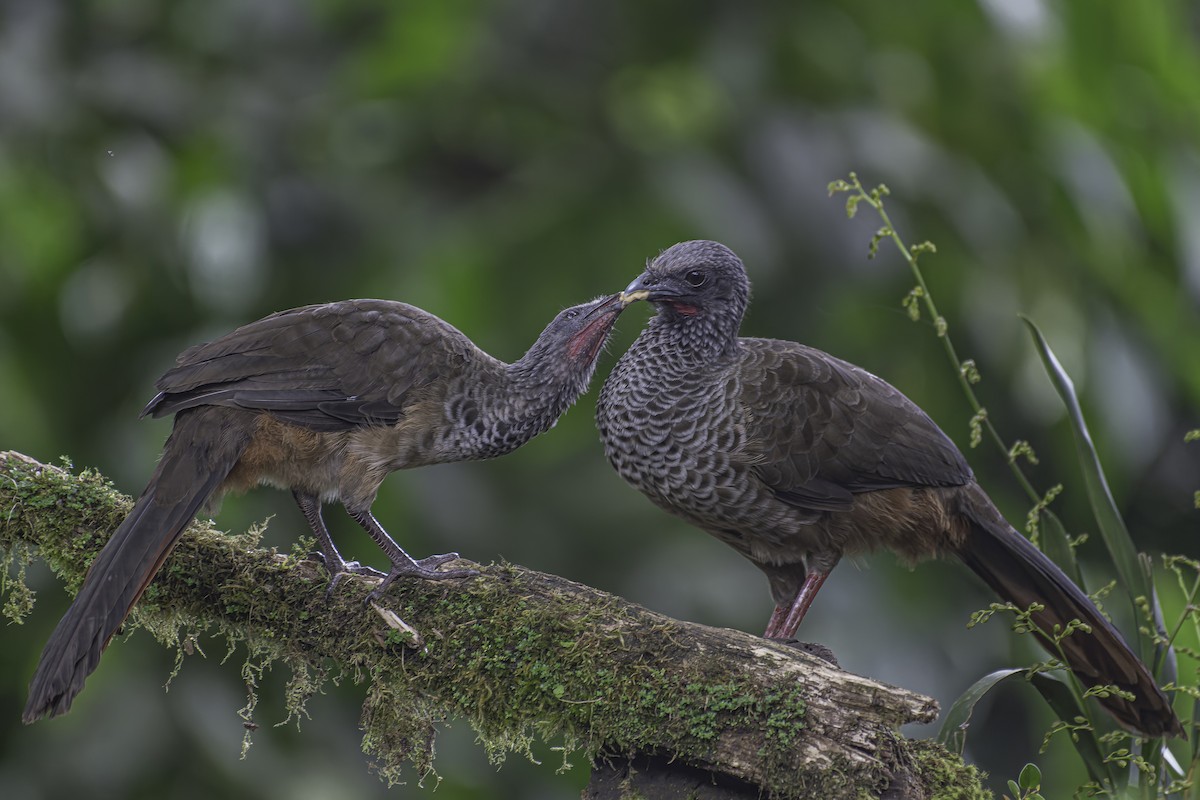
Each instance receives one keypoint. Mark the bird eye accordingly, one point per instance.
(572, 313)
(696, 278)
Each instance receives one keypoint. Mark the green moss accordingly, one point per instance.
(519, 656)
(73, 509)
(521, 664)
(944, 775)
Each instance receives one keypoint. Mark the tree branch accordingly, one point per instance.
(518, 653)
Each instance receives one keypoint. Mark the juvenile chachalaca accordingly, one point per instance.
(323, 401)
(796, 458)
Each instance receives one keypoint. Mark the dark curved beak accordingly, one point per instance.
(647, 287)
(636, 290)
(610, 304)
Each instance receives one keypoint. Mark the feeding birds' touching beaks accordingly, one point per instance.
(607, 304)
(605, 309)
(636, 290)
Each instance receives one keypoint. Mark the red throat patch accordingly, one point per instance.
(591, 337)
(682, 308)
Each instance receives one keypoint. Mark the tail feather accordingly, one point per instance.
(185, 478)
(1023, 575)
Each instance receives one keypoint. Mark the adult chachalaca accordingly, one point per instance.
(796, 458)
(323, 401)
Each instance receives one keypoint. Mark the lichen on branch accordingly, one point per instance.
(519, 654)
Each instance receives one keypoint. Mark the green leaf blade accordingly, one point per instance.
(1104, 508)
(953, 734)
(1030, 777)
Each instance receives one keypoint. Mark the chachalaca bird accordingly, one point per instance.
(323, 401)
(796, 458)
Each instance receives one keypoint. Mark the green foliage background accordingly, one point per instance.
(169, 171)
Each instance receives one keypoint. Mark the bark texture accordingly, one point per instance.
(517, 653)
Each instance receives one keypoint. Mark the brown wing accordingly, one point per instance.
(325, 367)
(823, 430)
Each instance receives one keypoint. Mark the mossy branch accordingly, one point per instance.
(516, 652)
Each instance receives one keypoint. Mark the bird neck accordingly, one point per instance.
(539, 387)
(499, 409)
(694, 340)
(546, 382)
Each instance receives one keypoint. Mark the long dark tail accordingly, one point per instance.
(198, 456)
(1023, 575)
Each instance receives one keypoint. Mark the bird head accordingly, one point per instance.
(697, 281)
(558, 366)
(567, 350)
(584, 329)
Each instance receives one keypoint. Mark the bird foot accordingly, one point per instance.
(426, 568)
(431, 563)
(355, 568)
(348, 567)
(341, 568)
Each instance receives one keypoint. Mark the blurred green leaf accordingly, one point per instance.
(416, 45)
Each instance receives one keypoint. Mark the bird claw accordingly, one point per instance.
(340, 570)
(355, 568)
(433, 562)
(348, 567)
(426, 568)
